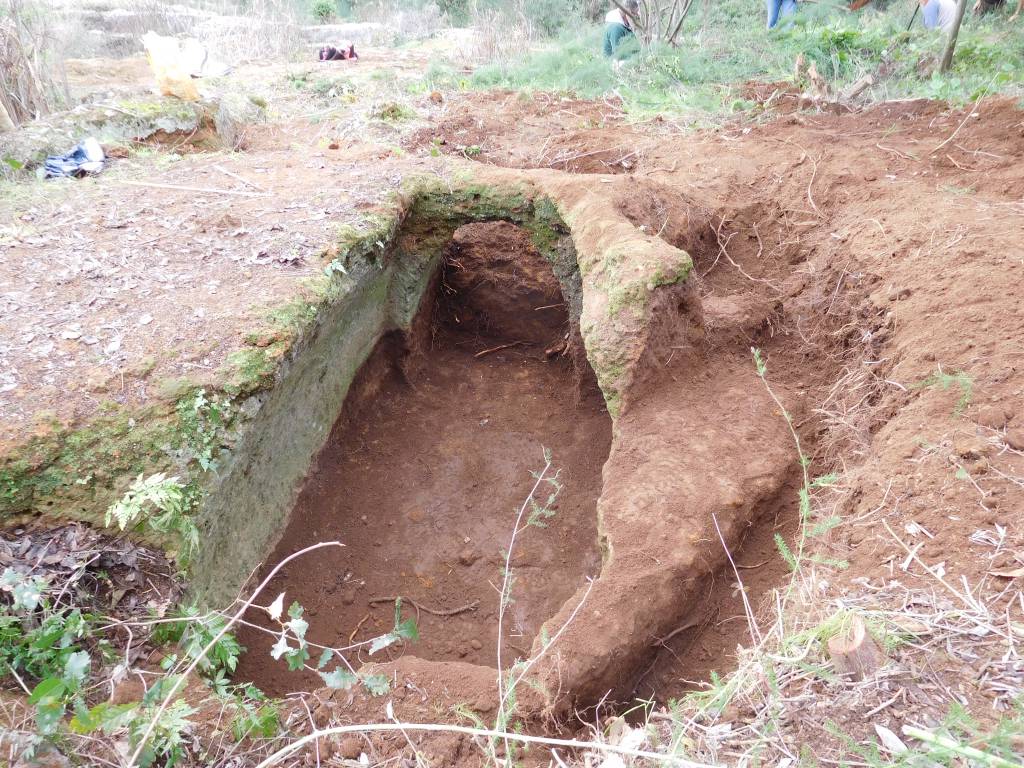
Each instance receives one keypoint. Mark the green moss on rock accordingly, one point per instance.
(78, 472)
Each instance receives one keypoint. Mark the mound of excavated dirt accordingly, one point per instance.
(803, 248)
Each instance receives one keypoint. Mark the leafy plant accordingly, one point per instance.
(51, 696)
(167, 743)
(203, 421)
(293, 647)
(161, 503)
(323, 10)
(944, 381)
(256, 716)
(193, 633)
(393, 112)
(39, 644)
(26, 591)
(808, 527)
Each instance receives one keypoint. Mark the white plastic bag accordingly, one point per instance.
(169, 67)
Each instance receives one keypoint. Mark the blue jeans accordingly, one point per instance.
(778, 8)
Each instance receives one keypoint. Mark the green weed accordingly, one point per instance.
(192, 634)
(724, 45)
(944, 381)
(163, 505)
(323, 10)
(202, 422)
(392, 112)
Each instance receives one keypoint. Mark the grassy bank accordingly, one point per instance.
(725, 44)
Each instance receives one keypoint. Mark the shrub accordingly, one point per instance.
(323, 10)
(549, 17)
(457, 11)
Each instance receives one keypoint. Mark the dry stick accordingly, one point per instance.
(755, 633)
(483, 732)
(506, 586)
(937, 739)
(688, 625)
(510, 689)
(498, 348)
(913, 556)
(962, 123)
(814, 171)
(133, 760)
(204, 190)
(235, 176)
(453, 612)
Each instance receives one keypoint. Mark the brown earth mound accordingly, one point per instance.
(807, 254)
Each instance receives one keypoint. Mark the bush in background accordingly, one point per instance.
(31, 71)
(323, 10)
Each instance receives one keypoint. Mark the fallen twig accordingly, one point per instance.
(204, 190)
(483, 352)
(297, 744)
(235, 176)
(688, 625)
(955, 746)
(451, 612)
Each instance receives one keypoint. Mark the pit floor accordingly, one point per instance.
(423, 487)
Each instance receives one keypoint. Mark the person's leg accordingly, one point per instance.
(788, 8)
(608, 47)
(773, 7)
(613, 35)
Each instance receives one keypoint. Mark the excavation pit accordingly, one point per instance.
(429, 462)
(461, 337)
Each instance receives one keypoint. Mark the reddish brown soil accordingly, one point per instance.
(422, 480)
(550, 132)
(706, 643)
(861, 252)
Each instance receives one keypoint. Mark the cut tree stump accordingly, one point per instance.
(854, 653)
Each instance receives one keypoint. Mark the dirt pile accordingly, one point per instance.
(806, 257)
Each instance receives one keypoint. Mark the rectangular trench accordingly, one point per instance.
(427, 466)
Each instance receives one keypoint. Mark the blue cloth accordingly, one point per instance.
(86, 157)
(778, 9)
(930, 14)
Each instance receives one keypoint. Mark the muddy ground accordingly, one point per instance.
(874, 258)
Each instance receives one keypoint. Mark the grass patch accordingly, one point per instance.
(724, 45)
(945, 381)
(393, 112)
